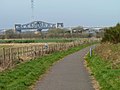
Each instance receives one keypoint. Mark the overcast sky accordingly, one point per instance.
(70, 12)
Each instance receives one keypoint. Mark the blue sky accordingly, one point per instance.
(70, 12)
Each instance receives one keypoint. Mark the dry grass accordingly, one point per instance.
(110, 52)
(8, 45)
(19, 44)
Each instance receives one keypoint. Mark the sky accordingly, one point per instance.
(70, 12)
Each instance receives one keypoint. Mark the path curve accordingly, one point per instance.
(67, 74)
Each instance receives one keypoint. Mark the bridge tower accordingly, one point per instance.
(60, 25)
(18, 28)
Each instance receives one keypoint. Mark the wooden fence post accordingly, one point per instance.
(17, 53)
(10, 56)
(4, 57)
(42, 52)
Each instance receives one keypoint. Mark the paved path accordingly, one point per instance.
(67, 74)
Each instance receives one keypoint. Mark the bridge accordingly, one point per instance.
(39, 25)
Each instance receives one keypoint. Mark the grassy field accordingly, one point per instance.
(105, 66)
(27, 42)
(24, 75)
(10, 45)
(34, 40)
(24, 42)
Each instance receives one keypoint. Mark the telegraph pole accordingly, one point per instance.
(32, 8)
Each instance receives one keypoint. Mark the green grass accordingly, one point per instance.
(26, 74)
(35, 40)
(108, 78)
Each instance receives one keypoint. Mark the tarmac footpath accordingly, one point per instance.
(67, 74)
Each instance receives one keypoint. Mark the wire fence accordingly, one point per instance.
(11, 56)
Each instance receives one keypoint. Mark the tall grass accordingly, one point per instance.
(109, 52)
(108, 78)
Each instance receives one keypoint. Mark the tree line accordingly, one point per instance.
(77, 32)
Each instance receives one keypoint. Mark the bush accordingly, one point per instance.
(112, 34)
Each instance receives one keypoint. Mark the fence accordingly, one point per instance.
(9, 57)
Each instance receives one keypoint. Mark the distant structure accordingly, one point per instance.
(2, 31)
(87, 30)
(39, 25)
(59, 25)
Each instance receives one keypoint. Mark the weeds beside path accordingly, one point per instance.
(108, 78)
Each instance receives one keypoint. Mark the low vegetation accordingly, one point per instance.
(35, 41)
(105, 66)
(26, 74)
(108, 78)
(105, 61)
(110, 52)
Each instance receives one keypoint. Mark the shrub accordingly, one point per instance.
(112, 34)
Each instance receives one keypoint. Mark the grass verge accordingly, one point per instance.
(26, 74)
(108, 78)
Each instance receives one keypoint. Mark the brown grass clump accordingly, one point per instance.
(110, 52)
